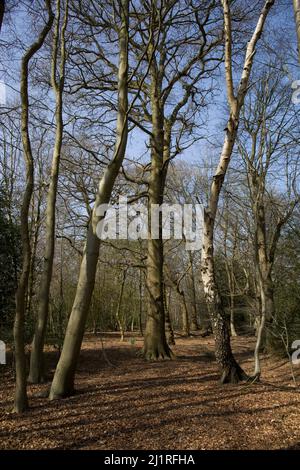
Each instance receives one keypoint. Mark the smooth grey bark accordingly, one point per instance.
(155, 344)
(36, 373)
(260, 331)
(168, 324)
(35, 239)
(120, 320)
(185, 323)
(185, 316)
(229, 368)
(194, 326)
(140, 304)
(63, 381)
(21, 401)
(264, 262)
(229, 266)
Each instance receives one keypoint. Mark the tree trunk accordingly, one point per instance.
(194, 317)
(184, 316)
(63, 381)
(230, 370)
(140, 304)
(21, 401)
(34, 244)
(260, 331)
(36, 373)
(264, 269)
(168, 323)
(232, 323)
(297, 19)
(155, 343)
(120, 320)
(2, 11)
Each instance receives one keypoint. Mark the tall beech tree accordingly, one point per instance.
(21, 402)
(178, 27)
(229, 368)
(57, 81)
(63, 381)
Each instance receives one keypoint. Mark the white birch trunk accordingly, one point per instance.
(230, 370)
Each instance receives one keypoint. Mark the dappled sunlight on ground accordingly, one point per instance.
(122, 402)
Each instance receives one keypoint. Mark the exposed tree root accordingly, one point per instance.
(233, 374)
(57, 395)
(253, 379)
(157, 354)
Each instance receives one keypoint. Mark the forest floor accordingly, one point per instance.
(125, 403)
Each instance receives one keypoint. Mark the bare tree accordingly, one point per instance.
(63, 381)
(172, 71)
(230, 370)
(57, 80)
(269, 126)
(21, 402)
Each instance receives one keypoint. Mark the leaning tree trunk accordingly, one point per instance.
(230, 370)
(63, 381)
(36, 373)
(21, 401)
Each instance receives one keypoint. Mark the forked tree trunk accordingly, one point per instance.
(36, 373)
(21, 401)
(230, 370)
(63, 381)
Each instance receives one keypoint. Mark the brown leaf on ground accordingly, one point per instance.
(122, 402)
